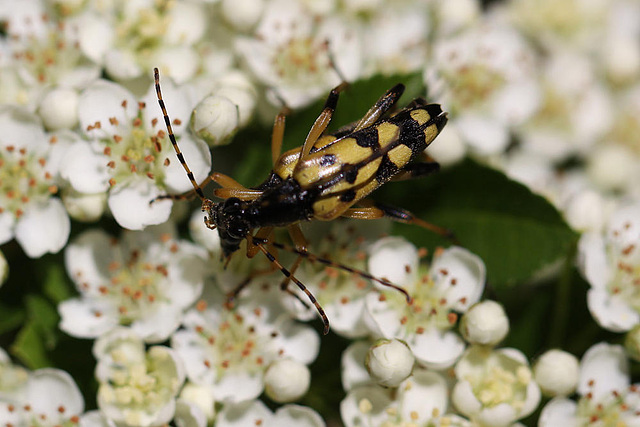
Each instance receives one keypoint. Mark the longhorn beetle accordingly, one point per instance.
(328, 177)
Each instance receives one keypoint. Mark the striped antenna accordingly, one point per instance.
(167, 122)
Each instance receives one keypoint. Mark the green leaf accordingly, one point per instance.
(43, 315)
(11, 318)
(517, 233)
(29, 347)
(56, 285)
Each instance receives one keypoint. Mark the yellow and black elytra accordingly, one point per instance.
(330, 176)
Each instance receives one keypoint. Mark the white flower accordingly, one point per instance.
(291, 52)
(145, 281)
(44, 57)
(352, 365)
(50, 398)
(419, 400)
(575, 24)
(485, 323)
(130, 38)
(230, 350)
(485, 78)
(13, 379)
(454, 283)
(395, 38)
(389, 362)
(575, 110)
(256, 413)
(614, 163)
(606, 395)
(130, 155)
(495, 387)
(29, 168)
(556, 372)
(342, 295)
(137, 387)
(286, 380)
(611, 264)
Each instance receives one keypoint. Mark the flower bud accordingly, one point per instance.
(556, 372)
(610, 166)
(242, 14)
(59, 109)
(84, 207)
(485, 323)
(389, 362)
(200, 396)
(286, 380)
(215, 119)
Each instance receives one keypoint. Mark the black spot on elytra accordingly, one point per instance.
(351, 174)
(367, 137)
(348, 196)
(327, 160)
(386, 170)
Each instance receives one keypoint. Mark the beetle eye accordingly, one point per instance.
(237, 230)
(232, 205)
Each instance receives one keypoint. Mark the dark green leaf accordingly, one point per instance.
(29, 347)
(56, 285)
(43, 315)
(10, 318)
(516, 232)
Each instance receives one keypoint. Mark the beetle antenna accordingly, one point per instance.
(172, 138)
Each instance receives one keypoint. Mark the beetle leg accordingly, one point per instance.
(323, 120)
(262, 235)
(301, 245)
(399, 215)
(381, 106)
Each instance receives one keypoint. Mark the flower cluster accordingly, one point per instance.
(544, 92)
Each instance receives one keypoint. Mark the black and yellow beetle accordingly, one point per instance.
(330, 176)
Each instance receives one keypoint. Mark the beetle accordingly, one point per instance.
(329, 176)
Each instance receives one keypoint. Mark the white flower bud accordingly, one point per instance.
(242, 14)
(201, 396)
(485, 323)
(611, 165)
(84, 207)
(4, 268)
(286, 380)
(556, 372)
(621, 56)
(245, 101)
(59, 109)
(215, 119)
(585, 211)
(455, 14)
(389, 362)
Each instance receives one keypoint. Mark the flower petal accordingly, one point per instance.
(43, 228)
(129, 204)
